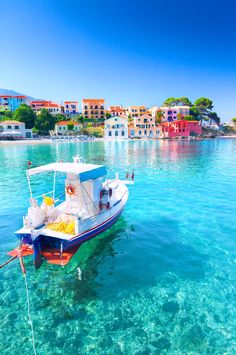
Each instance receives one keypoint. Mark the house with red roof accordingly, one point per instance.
(52, 107)
(70, 128)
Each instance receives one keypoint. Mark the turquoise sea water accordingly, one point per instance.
(162, 280)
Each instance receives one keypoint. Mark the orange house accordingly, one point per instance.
(93, 108)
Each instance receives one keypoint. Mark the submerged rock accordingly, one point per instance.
(161, 343)
(171, 307)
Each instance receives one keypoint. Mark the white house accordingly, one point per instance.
(16, 129)
(67, 128)
(116, 128)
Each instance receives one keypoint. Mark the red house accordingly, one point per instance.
(181, 128)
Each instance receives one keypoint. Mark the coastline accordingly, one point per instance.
(25, 141)
(49, 141)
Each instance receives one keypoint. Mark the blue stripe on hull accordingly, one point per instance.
(55, 243)
(93, 233)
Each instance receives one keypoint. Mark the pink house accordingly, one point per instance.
(181, 128)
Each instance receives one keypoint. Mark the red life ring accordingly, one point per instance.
(70, 190)
(108, 205)
(101, 194)
(110, 192)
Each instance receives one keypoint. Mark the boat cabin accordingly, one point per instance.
(85, 196)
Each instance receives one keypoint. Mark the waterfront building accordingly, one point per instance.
(144, 127)
(117, 111)
(116, 128)
(12, 102)
(136, 111)
(181, 128)
(52, 107)
(93, 109)
(171, 114)
(65, 128)
(71, 108)
(15, 129)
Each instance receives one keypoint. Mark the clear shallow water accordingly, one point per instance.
(162, 280)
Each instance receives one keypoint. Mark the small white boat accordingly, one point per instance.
(55, 227)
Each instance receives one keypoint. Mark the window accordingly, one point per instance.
(123, 133)
(116, 133)
(85, 107)
(8, 127)
(17, 127)
(110, 133)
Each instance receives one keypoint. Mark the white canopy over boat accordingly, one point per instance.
(85, 172)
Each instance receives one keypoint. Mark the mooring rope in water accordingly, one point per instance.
(28, 301)
(29, 316)
(8, 261)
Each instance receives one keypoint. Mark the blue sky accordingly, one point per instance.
(128, 52)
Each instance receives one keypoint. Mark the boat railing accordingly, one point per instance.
(56, 199)
(95, 215)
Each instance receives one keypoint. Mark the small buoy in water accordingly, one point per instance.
(79, 273)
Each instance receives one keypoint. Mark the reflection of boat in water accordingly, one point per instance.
(59, 225)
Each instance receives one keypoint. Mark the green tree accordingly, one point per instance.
(8, 114)
(70, 127)
(214, 117)
(194, 111)
(203, 103)
(80, 119)
(159, 117)
(171, 101)
(108, 115)
(189, 118)
(25, 114)
(234, 120)
(174, 101)
(184, 101)
(44, 122)
(130, 119)
(60, 117)
(203, 106)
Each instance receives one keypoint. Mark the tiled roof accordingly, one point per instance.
(12, 122)
(65, 123)
(13, 96)
(70, 102)
(93, 100)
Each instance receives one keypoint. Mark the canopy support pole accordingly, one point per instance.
(54, 185)
(30, 190)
